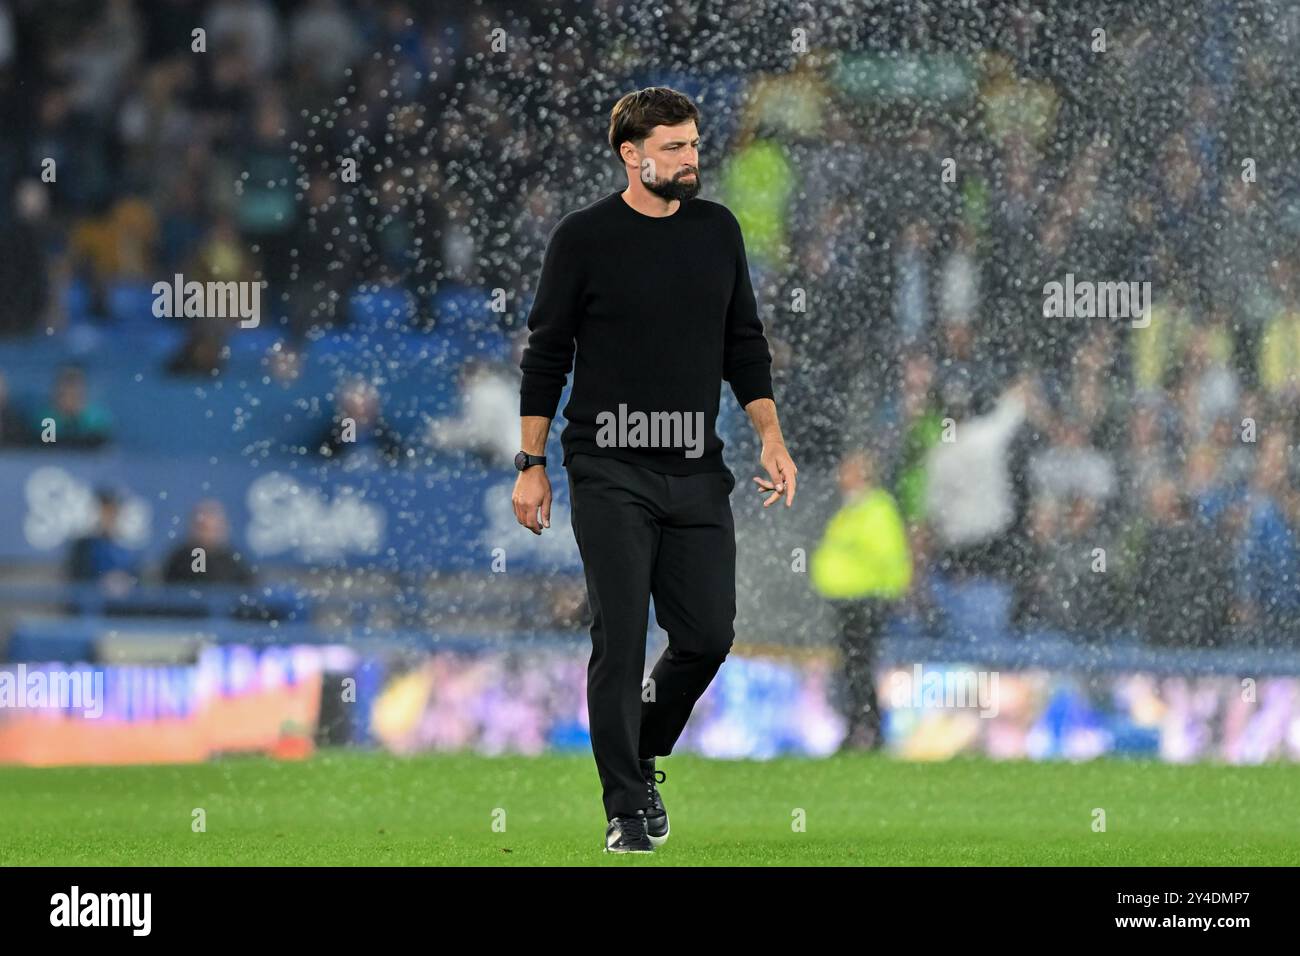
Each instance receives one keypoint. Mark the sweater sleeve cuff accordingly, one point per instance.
(751, 382)
(534, 403)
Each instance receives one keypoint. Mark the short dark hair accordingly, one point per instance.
(108, 494)
(636, 114)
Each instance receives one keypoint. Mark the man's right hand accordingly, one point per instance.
(533, 494)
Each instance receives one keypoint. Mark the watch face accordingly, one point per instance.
(521, 461)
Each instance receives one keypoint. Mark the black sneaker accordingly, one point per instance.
(627, 835)
(656, 817)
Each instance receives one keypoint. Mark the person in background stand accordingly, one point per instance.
(99, 556)
(863, 565)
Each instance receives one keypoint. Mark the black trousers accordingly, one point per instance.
(642, 533)
(862, 624)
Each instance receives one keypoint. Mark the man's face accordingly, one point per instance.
(670, 161)
(210, 527)
(69, 393)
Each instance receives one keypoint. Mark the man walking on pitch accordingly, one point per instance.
(645, 294)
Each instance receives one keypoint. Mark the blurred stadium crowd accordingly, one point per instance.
(1167, 157)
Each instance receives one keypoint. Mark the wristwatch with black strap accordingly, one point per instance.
(523, 460)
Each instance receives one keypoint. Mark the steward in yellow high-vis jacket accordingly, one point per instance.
(862, 566)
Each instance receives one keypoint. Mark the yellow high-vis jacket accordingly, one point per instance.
(864, 552)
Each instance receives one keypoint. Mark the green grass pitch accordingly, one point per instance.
(365, 808)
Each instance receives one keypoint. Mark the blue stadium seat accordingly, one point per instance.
(77, 301)
(977, 609)
(131, 304)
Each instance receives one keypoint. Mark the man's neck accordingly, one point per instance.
(648, 204)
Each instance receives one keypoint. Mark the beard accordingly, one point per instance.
(679, 187)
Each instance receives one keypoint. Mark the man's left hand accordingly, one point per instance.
(781, 470)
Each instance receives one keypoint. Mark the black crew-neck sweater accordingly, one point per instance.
(652, 314)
